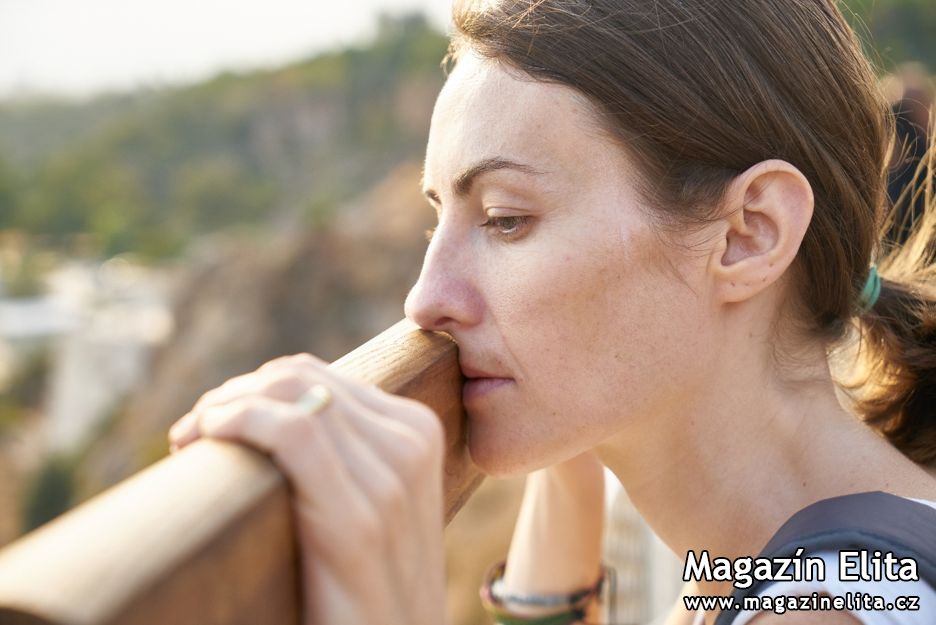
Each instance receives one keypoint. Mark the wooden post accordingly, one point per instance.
(204, 537)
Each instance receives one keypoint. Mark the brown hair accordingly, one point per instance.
(701, 90)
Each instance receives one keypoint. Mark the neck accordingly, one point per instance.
(723, 469)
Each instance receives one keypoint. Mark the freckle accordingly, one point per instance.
(733, 284)
(765, 279)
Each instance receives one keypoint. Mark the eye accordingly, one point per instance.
(509, 227)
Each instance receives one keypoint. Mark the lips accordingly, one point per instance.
(473, 372)
(479, 383)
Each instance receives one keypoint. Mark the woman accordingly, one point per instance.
(656, 221)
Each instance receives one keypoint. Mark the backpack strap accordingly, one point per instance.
(865, 521)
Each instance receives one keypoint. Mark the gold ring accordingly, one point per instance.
(315, 400)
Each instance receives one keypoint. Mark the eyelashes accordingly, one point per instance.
(505, 228)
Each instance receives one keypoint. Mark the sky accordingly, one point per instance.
(82, 47)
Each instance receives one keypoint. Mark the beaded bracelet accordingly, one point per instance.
(572, 607)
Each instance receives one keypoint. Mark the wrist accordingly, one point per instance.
(526, 607)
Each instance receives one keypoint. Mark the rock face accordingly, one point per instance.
(326, 291)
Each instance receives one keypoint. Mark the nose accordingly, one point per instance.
(444, 297)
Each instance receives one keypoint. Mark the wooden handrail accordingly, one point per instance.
(204, 537)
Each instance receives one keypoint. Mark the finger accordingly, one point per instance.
(302, 359)
(183, 431)
(367, 466)
(341, 478)
(328, 501)
(285, 385)
(393, 440)
(302, 445)
(415, 453)
(403, 458)
(282, 377)
(226, 420)
(375, 398)
(287, 431)
(376, 474)
(281, 384)
(410, 412)
(402, 483)
(407, 411)
(340, 483)
(258, 421)
(288, 381)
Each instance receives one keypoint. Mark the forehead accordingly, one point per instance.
(489, 110)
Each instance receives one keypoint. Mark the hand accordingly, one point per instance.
(366, 473)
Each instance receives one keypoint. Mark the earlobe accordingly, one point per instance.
(767, 210)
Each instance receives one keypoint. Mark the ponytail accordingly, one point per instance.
(893, 381)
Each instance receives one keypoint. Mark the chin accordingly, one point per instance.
(494, 459)
(498, 455)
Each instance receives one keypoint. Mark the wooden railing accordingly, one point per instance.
(205, 536)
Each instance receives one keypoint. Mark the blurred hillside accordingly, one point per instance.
(895, 31)
(147, 173)
(216, 192)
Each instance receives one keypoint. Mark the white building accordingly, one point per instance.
(100, 324)
(648, 574)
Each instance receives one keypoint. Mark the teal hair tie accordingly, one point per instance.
(871, 291)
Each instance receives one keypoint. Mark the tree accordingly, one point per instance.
(9, 192)
(899, 30)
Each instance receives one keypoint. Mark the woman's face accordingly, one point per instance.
(547, 271)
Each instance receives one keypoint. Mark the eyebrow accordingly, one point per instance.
(463, 183)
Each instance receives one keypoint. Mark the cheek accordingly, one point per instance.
(600, 327)
(547, 312)
(571, 302)
(596, 330)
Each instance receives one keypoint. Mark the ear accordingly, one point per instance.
(766, 213)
